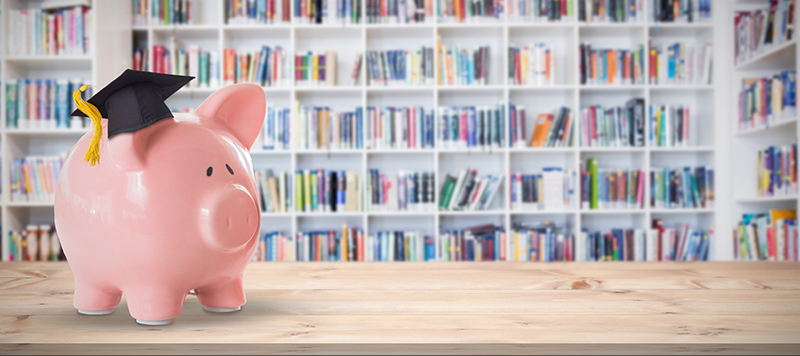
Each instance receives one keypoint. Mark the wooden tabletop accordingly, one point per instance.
(482, 307)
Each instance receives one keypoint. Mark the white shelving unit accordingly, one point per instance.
(746, 143)
(709, 105)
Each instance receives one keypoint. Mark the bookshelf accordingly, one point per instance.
(211, 32)
(745, 143)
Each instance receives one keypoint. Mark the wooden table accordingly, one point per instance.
(464, 308)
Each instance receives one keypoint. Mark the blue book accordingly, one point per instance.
(340, 192)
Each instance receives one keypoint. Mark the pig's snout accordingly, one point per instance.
(231, 217)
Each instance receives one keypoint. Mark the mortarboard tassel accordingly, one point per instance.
(93, 152)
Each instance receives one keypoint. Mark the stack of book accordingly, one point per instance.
(33, 178)
(611, 66)
(685, 188)
(244, 12)
(532, 65)
(315, 68)
(268, 67)
(610, 11)
(277, 129)
(327, 12)
(679, 63)
(776, 170)
(36, 243)
(461, 66)
(541, 10)
(549, 130)
(478, 243)
(163, 12)
(399, 11)
(347, 244)
(608, 189)
(758, 31)
(320, 190)
(681, 243)
(49, 32)
(42, 103)
(461, 11)
(399, 246)
(275, 191)
(322, 128)
(400, 67)
(770, 236)
(539, 242)
(680, 10)
(273, 246)
(471, 127)
(399, 128)
(768, 100)
(614, 127)
(408, 191)
(670, 126)
(552, 189)
(468, 191)
(172, 59)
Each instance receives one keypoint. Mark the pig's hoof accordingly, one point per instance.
(222, 309)
(97, 312)
(155, 322)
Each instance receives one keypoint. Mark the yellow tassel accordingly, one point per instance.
(93, 152)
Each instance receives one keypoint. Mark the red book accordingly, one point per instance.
(158, 59)
(657, 224)
(298, 69)
(593, 123)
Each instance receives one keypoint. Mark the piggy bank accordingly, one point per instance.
(169, 209)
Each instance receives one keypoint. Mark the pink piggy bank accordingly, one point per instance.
(170, 208)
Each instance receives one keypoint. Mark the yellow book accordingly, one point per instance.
(524, 66)
(438, 59)
(315, 68)
(344, 241)
(516, 246)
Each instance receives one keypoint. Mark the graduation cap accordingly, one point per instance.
(131, 102)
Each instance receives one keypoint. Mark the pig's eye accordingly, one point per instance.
(229, 168)
(209, 171)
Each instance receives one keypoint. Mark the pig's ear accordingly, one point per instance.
(127, 150)
(239, 107)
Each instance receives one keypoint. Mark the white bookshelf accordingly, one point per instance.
(211, 32)
(746, 143)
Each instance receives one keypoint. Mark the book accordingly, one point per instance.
(547, 130)
(681, 11)
(461, 11)
(611, 188)
(680, 63)
(327, 11)
(471, 127)
(267, 67)
(776, 171)
(405, 191)
(35, 243)
(33, 178)
(399, 128)
(542, 10)
(321, 128)
(532, 65)
(174, 59)
(553, 188)
(62, 31)
(671, 126)
(275, 191)
(399, 12)
(400, 67)
(610, 11)
(249, 12)
(613, 126)
(767, 100)
(459, 66)
(316, 68)
(759, 29)
(681, 243)
(42, 104)
(276, 134)
(682, 188)
(470, 191)
(610, 66)
(321, 190)
(157, 12)
(771, 235)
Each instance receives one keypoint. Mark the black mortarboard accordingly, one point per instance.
(135, 100)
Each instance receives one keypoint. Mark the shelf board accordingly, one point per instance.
(683, 149)
(541, 87)
(542, 149)
(610, 87)
(540, 24)
(48, 59)
(471, 25)
(418, 88)
(29, 204)
(589, 25)
(543, 212)
(703, 25)
(184, 28)
(766, 199)
(259, 26)
(345, 89)
(613, 211)
(282, 214)
(321, 214)
(457, 88)
(784, 124)
(263, 152)
(49, 132)
(331, 151)
(682, 211)
(472, 212)
(775, 50)
(472, 150)
(324, 26)
(612, 149)
(670, 87)
(401, 151)
(402, 213)
(398, 26)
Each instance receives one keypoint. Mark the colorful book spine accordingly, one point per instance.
(682, 188)
(681, 11)
(548, 129)
(469, 127)
(538, 242)
(679, 63)
(758, 30)
(35, 243)
(611, 66)
(551, 189)
(459, 66)
(770, 236)
(399, 128)
(469, 192)
(276, 133)
(610, 11)
(320, 190)
(42, 104)
(172, 59)
(33, 178)
(465, 11)
(249, 12)
(768, 100)
(681, 243)
(327, 12)
(267, 67)
(405, 191)
(50, 32)
(316, 68)
(671, 126)
(532, 65)
(321, 128)
(621, 126)
(399, 11)
(400, 67)
(542, 10)
(164, 12)
(776, 171)
(611, 188)
(275, 190)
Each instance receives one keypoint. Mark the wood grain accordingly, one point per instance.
(443, 308)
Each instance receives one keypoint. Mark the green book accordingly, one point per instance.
(591, 163)
(307, 189)
(298, 190)
(571, 8)
(448, 193)
(314, 191)
(442, 194)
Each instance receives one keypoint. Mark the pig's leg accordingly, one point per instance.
(222, 298)
(93, 300)
(156, 305)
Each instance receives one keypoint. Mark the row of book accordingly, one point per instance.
(275, 191)
(770, 236)
(757, 31)
(533, 64)
(35, 243)
(407, 191)
(679, 63)
(610, 11)
(551, 189)
(460, 11)
(670, 126)
(776, 171)
(549, 129)
(611, 66)
(468, 191)
(682, 188)
(767, 100)
(399, 11)
(401, 67)
(611, 188)
(321, 190)
(399, 128)
(163, 12)
(247, 12)
(327, 11)
(461, 66)
(33, 178)
(683, 11)
(681, 243)
(541, 10)
(49, 32)
(322, 128)
(42, 103)
(277, 129)
(615, 126)
(471, 127)
(347, 244)
(267, 67)
(171, 59)
(315, 68)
